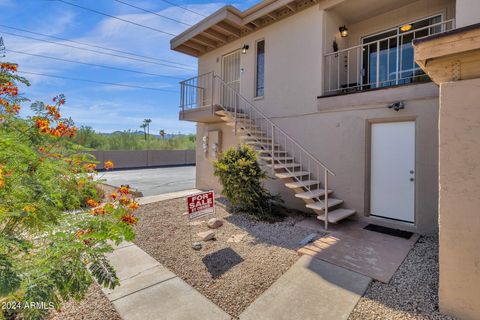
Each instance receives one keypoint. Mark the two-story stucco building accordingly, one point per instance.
(328, 91)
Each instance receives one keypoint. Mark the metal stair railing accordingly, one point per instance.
(211, 90)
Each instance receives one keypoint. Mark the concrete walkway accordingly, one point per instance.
(150, 291)
(310, 290)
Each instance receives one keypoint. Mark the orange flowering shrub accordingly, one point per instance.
(55, 227)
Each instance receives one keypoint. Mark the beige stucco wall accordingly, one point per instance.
(335, 129)
(468, 12)
(460, 199)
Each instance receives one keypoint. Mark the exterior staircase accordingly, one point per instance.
(281, 154)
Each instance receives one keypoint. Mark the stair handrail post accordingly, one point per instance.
(273, 150)
(326, 199)
(213, 93)
(235, 117)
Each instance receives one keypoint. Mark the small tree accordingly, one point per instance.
(241, 177)
(162, 134)
(54, 231)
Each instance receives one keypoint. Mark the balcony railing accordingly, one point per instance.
(386, 62)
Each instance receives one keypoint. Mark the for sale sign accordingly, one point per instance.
(200, 205)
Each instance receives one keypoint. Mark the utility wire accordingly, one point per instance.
(179, 6)
(152, 12)
(94, 46)
(118, 18)
(98, 82)
(95, 51)
(93, 64)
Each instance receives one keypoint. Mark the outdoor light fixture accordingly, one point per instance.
(245, 48)
(406, 27)
(397, 106)
(343, 31)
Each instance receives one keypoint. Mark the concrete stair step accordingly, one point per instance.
(223, 113)
(286, 175)
(300, 184)
(337, 215)
(263, 144)
(279, 159)
(269, 152)
(320, 205)
(284, 165)
(317, 193)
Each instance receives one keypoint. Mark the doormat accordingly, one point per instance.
(389, 231)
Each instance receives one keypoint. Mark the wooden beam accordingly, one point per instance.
(188, 50)
(448, 45)
(229, 29)
(291, 7)
(196, 46)
(271, 15)
(216, 35)
(205, 41)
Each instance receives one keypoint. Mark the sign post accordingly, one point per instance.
(201, 204)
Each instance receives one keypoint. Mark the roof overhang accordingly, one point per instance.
(450, 56)
(228, 24)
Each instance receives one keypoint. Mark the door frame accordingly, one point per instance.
(240, 65)
(368, 169)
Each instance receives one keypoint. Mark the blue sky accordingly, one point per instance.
(106, 108)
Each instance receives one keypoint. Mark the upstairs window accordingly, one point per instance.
(260, 68)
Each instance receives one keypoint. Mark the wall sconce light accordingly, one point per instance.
(343, 31)
(245, 48)
(397, 106)
(406, 27)
(205, 144)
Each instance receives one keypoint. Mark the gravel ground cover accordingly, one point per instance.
(412, 294)
(95, 306)
(233, 270)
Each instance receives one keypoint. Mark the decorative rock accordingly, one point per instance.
(206, 235)
(214, 223)
(196, 246)
(308, 239)
(236, 238)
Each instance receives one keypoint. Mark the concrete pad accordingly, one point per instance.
(168, 196)
(130, 261)
(320, 290)
(141, 281)
(169, 300)
(373, 254)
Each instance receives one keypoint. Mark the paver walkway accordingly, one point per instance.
(150, 291)
(310, 290)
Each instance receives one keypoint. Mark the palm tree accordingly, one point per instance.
(144, 127)
(162, 133)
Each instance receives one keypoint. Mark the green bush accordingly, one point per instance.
(241, 177)
(55, 228)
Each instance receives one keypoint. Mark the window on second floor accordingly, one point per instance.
(260, 68)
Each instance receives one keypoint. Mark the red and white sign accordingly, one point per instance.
(201, 204)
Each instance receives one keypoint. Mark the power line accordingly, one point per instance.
(94, 65)
(95, 46)
(98, 82)
(152, 12)
(95, 51)
(118, 18)
(179, 6)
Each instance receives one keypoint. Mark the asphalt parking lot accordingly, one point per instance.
(153, 181)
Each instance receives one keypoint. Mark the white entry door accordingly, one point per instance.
(231, 76)
(392, 178)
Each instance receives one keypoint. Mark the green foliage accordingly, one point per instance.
(241, 177)
(128, 140)
(48, 235)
